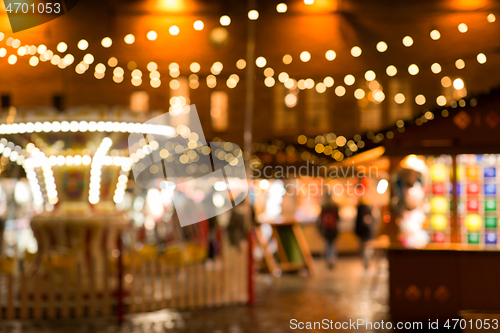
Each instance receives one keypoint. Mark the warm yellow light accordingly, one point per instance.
(359, 93)
(438, 173)
(491, 18)
(308, 2)
(112, 62)
(269, 82)
(174, 30)
(462, 27)
(305, 56)
(62, 47)
(420, 99)
(435, 35)
(260, 62)
(88, 58)
(106, 42)
(281, 8)
(330, 55)
(287, 59)
(473, 222)
(349, 79)
(446, 81)
(129, 39)
(399, 98)
(460, 64)
(12, 59)
(195, 67)
(328, 81)
(34, 61)
(441, 100)
(253, 15)
(225, 20)
(481, 58)
(458, 84)
(413, 69)
(370, 75)
(83, 44)
(320, 87)
(356, 51)
(436, 68)
(381, 46)
(198, 25)
(173, 5)
(340, 91)
(407, 41)
(391, 70)
(152, 35)
(241, 64)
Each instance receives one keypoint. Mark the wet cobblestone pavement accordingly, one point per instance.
(346, 292)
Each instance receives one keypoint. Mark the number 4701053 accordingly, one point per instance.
(478, 324)
(41, 8)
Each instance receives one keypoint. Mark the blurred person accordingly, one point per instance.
(327, 225)
(364, 228)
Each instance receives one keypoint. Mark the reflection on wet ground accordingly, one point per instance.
(344, 293)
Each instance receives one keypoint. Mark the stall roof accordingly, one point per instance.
(469, 126)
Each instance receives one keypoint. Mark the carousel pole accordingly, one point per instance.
(247, 136)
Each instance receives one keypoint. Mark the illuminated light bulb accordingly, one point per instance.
(281, 8)
(253, 15)
(320, 87)
(309, 83)
(435, 35)
(152, 66)
(305, 56)
(382, 186)
(330, 55)
(174, 30)
(439, 222)
(225, 20)
(241, 64)
(436, 68)
(287, 59)
(413, 69)
(83, 44)
(283, 77)
(41, 49)
(308, 2)
(441, 100)
(462, 27)
(407, 41)
(268, 72)
(88, 59)
(460, 64)
(356, 51)
(473, 222)
(359, 93)
(328, 81)
(370, 75)
(399, 98)
(62, 47)
(198, 25)
(22, 51)
(491, 18)
(381, 46)
(481, 58)
(379, 96)
(349, 80)
(391, 70)
(16, 43)
(152, 35)
(12, 59)
(129, 39)
(260, 62)
(446, 81)
(3, 52)
(340, 91)
(420, 99)
(269, 82)
(69, 59)
(34, 61)
(458, 84)
(106, 42)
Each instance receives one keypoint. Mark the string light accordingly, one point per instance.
(356, 51)
(381, 46)
(436, 68)
(106, 42)
(253, 15)
(435, 35)
(198, 25)
(83, 44)
(62, 47)
(129, 39)
(481, 58)
(391, 70)
(407, 41)
(330, 55)
(225, 20)
(462, 27)
(152, 35)
(174, 30)
(460, 64)
(305, 56)
(281, 8)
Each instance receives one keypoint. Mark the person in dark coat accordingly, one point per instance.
(327, 225)
(364, 227)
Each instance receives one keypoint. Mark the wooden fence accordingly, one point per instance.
(61, 287)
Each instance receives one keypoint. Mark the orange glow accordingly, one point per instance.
(172, 5)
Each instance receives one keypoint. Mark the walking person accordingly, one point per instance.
(327, 224)
(364, 228)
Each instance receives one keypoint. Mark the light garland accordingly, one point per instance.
(99, 159)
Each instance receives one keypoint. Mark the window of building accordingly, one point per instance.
(179, 98)
(139, 101)
(219, 110)
(5, 101)
(285, 113)
(317, 120)
(400, 108)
